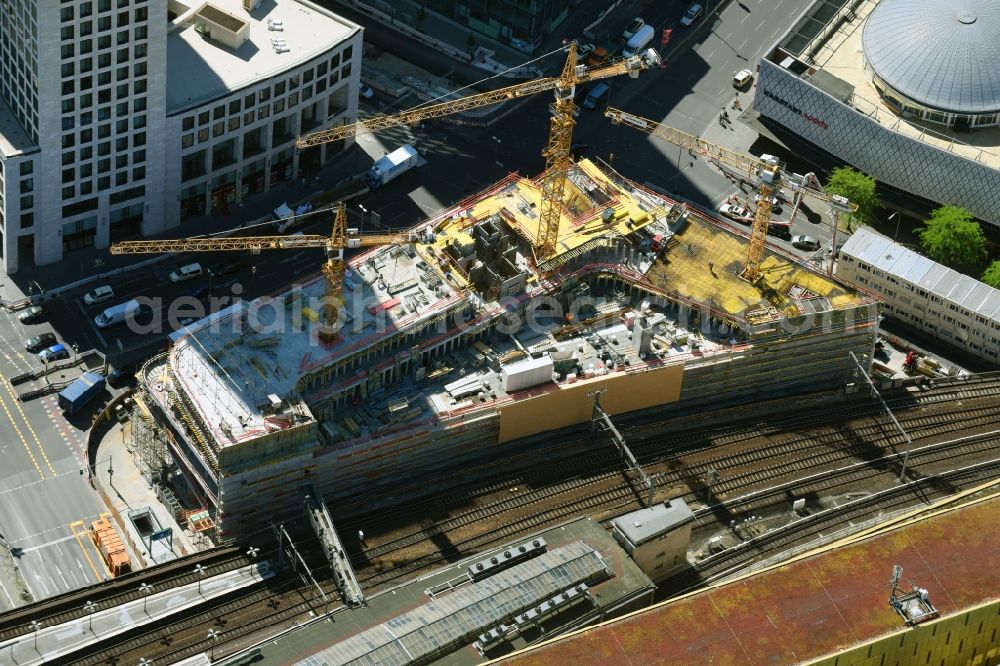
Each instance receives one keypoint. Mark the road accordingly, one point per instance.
(46, 501)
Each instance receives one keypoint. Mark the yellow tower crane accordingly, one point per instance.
(765, 171)
(557, 149)
(340, 239)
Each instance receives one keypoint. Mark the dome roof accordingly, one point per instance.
(944, 54)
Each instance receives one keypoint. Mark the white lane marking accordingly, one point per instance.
(760, 26)
(10, 600)
(47, 543)
(65, 582)
(42, 583)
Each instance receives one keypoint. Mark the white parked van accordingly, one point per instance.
(117, 314)
(99, 295)
(638, 41)
(186, 273)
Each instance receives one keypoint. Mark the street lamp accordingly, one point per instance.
(90, 607)
(35, 626)
(145, 662)
(213, 635)
(145, 588)
(200, 570)
(363, 212)
(496, 151)
(896, 233)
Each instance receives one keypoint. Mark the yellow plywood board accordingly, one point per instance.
(525, 195)
(569, 404)
(706, 259)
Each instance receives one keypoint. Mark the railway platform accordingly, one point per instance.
(48, 642)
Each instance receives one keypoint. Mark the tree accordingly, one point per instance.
(859, 188)
(470, 41)
(421, 17)
(953, 237)
(992, 275)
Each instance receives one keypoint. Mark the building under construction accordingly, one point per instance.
(461, 343)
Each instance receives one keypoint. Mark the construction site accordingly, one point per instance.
(486, 328)
(459, 340)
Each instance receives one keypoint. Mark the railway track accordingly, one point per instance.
(824, 449)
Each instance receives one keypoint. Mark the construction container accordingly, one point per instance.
(527, 373)
(110, 546)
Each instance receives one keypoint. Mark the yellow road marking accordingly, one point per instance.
(10, 417)
(27, 423)
(86, 533)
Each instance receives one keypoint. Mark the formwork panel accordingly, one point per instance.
(569, 404)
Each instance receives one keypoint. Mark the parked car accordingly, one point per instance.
(122, 376)
(742, 78)
(99, 295)
(805, 242)
(582, 51)
(632, 28)
(366, 91)
(40, 342)
(691, 15)
(184, 273)
(226, 268)
(34, 313)
(53, 353)
(737, 212)
(598, 56)
(200, 293)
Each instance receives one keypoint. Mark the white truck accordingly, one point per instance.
(284, 218)
(392, 165)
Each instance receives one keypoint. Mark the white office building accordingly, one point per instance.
(126, 117)
(924, 294)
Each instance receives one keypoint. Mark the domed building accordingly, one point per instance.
(936, 60)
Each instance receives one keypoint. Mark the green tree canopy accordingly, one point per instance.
(856, 186)
(953, 237)
(992, 275)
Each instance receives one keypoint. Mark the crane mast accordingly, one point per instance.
(766, 171)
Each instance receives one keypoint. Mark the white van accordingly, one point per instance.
(99, 295)
(117, 314)
(691, 15)
(638, 41)
(186, 273)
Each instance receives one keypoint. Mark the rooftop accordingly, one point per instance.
(385, 625)
(886, 255)
(13, 139)
(841, 54)
(813, 606)
(942, 53)
(644, 524)
(201, 69)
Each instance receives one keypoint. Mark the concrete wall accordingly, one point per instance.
(892, 158)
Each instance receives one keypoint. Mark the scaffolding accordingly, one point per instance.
(148, 445)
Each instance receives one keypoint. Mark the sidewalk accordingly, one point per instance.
(81, 264)
(124, 490)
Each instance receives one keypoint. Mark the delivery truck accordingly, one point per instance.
(80, 392)
(392, 165)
